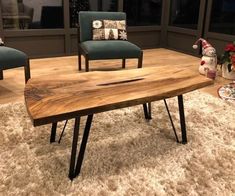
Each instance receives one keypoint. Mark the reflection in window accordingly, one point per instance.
(28, 14)
(92, 5)
(143, 12)
(223, 17)
(184, 13)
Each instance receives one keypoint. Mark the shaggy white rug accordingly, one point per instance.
(125, 155)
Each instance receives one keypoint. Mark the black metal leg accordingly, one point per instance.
(74, 148)
(53, 132)
(86, 63)
(79, 62)
(1, 74)
(150, 110)
(62, 133)
(123, 63)
(172, 124)
(147, 110)
(83, 145)
(27, 71)
(182, 119)
(140, 60)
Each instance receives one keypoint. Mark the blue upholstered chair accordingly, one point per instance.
(103, 49)
(12, 58)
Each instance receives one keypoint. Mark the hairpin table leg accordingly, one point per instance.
(53, 132)
(74, 148)
(172, 124)
(182, 119)
(75, 170)
(147, 111)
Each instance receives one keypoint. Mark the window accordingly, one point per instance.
(27, 14)
(184, 13)
(143, 12)
(223, 17)
(92, 5)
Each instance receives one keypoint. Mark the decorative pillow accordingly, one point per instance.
(109, 30)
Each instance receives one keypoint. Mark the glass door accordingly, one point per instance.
(220, 23)
(89, 5)
(143, 12)
(184, 14)
(26, 14)
(184, 24)
(222, 19)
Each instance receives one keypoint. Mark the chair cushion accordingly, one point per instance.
(110, 49)
(109, 30)
(86, 18)
(11, 58)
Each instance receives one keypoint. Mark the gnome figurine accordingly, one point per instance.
(209, 59)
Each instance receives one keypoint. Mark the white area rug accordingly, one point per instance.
(125, 155)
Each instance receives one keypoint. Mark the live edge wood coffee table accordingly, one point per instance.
(52, 99)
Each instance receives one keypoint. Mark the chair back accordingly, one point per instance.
(86, 18)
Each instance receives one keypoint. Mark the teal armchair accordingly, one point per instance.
(103, 49)
(12, 58)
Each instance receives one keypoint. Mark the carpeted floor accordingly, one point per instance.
(126, 155)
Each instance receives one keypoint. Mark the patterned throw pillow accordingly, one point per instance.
(109, 30)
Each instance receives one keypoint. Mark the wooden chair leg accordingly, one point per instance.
(87, 63)
(27, 72)
(79, 62)
(140, 60)
(123, 63)
(1, 74)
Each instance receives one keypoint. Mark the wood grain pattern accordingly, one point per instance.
(50, 99)
(12, 87)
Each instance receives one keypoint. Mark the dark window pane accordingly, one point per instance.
(27, 14)
(143, 12)
(184, 13)
(92, 5)
(223, 17)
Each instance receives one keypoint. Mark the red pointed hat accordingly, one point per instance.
(207, 49)
(205, 44)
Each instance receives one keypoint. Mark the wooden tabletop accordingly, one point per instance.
(55, 98)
